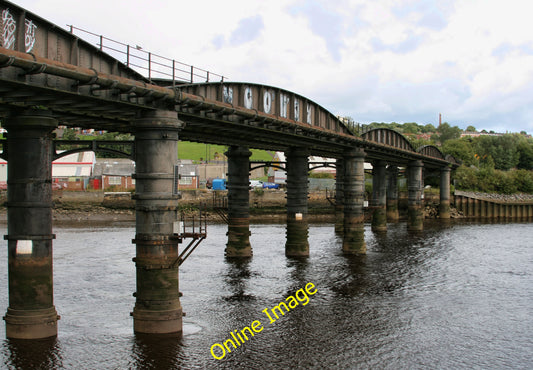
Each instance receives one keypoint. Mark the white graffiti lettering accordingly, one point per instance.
(296, 110)
(9, 26)
(29, 37)
(228, 94)
(284, 103)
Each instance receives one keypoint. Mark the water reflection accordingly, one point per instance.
(157, 352)
(413, 301)
(237, 279)
(34, 354)
(297, 269)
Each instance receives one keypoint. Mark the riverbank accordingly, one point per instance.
(266, 206)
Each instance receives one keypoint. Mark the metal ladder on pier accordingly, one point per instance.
(330, 196)
(220, 206)
(192, 227)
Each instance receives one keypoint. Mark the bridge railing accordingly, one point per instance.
(147, 63)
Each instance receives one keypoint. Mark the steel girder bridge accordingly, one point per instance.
(51, 77)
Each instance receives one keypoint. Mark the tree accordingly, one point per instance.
(411, 128)
(503, 150)
(471, 129)
(429, 128)
(417, 143)
(525, 150)
(447, 132)
(462, 150)
(69, 134)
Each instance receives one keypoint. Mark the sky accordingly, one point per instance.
(374, 61)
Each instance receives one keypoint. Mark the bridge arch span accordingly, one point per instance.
(98, 146)
(101, 150)
(431, 151)
(388, 137)
(269, 100)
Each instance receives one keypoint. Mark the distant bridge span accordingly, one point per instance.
(49, 76)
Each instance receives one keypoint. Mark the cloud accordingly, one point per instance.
(408, 45)
(324, 23)
(431, 14)
(247, 30)
(507, 48)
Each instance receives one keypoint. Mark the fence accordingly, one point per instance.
(147, 63)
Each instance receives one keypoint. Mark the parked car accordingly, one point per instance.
(256, 184)
(270, 185)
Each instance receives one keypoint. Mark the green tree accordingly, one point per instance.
(411, 128)
(525, 150)
(523, 180)
(462, 150)
(429, 128)
(417, 143)
(447, 132)
(503, 150)
(471, 129)
(69, 134)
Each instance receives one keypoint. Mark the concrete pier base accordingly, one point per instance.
(379, 196)
(354, 190)
(297, 243)
(415, 209)
(393, 214)
(238, 245)
(31, 313)
(339, 197)
(157, 306)
(444, 206)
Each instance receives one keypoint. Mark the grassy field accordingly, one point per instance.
(199, 152)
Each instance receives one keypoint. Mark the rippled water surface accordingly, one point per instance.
(455, 296)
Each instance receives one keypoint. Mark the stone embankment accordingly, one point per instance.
(500, 198)
(494, 206)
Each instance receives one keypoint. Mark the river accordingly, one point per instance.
(457, 295)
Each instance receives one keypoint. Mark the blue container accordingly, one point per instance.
(219, 184)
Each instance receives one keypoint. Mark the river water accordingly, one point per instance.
(458, 295)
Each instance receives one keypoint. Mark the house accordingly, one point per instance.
(114, 174)
(279, 176)
(188, 176)
(70, 172)
(73, 171)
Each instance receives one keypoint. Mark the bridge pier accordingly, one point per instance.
(31, 313)
(297, 243)
(393, 214)
(379, 196)
(354, 191)
(238, 202)
(415, 209)
(157, 306)
(339, 197)
(444, 206)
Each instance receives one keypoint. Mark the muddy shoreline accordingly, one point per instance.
(117, 209)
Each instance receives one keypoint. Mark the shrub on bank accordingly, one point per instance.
(489, 180)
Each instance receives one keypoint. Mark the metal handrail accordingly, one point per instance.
(141, 60)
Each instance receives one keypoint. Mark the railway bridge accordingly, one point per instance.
(50, 77)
